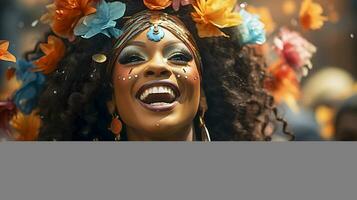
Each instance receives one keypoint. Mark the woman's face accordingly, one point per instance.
(156, 87)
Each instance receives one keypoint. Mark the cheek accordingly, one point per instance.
(122, 82)
(191, 76)
(121, 73)
(189, 79)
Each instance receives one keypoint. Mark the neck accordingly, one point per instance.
(186, 134)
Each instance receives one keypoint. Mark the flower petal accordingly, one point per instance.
(117, 10)
(6, 56)
(4, 45)
(157, 4)
(214, 14)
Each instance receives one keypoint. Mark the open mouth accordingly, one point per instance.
(158, 95)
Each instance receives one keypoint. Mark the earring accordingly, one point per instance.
(203, 107)
(116, 126)
(204, 131)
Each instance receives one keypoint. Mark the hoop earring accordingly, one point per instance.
(116, 126)
(204, 131)
(205, 136)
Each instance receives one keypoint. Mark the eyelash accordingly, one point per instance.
(180, 58)
(131, 59)
(177, 58)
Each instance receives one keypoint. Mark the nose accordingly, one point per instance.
(157, 68)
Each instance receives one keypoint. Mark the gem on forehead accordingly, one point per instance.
(155, 33)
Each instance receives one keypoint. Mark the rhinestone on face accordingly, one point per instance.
(178, 75)
(136, 76)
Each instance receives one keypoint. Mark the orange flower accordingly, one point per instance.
(9, 87)
(283, 84)
(26, 127)
(264, 16)
(157, 4)
(211, 15)
(4, 53)
(311, 15)
(54, 51)
(63, 15)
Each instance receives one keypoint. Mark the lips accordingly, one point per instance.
(158, 95)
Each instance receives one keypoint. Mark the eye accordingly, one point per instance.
(131, 59)
(180, 58)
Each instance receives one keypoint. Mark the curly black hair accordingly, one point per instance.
(73, 103)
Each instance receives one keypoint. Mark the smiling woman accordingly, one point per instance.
(161, 102)
(163, 79)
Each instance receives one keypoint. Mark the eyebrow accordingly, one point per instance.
(137, 43)
(173, 43)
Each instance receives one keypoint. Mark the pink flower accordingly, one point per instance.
(295, 50)
(177, 3)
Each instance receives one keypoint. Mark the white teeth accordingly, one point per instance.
(162, 90)
(155, 90)
(159, 104)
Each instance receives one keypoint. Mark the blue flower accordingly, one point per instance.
(26, 98)
(102, 21)
(23, 68)
(252, 29)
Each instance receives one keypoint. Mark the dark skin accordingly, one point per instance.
(143, 64)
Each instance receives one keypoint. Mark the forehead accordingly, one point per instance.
(143, 38)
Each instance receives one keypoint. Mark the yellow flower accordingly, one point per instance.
(27, 127)
(211, 15)
(265, 16)
(311, 15)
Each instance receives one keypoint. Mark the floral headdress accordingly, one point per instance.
(87, 18)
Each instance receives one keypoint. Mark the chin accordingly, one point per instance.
(166, 127)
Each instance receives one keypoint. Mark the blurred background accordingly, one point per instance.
(328, 106)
